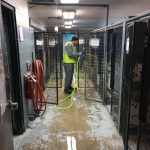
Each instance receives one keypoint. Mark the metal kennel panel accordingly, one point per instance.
(47, 56)
(54, 66)
(113, 72)
(144, 131)
(116, 79)
(126, 85)
(132, 73)
(108, 100)
(101, 54)
(83, 46)
(54, 53)
(94, 69)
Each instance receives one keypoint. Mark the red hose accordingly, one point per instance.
(39, 99)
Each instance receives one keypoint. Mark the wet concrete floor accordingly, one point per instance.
(85, 126)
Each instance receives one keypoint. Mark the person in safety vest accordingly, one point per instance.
(70, 57)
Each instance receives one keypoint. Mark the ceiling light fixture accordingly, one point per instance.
(67, 27)
(68, 23)
(69, 1)
(68, 14)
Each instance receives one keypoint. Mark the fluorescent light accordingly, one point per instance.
(56, 29)
(71, 14)
(67, 27)
(68, 14)
(69, 1)
(65, 15)
(68, 22)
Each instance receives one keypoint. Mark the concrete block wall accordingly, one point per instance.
(26, 48)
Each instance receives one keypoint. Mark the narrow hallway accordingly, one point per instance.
(74, 75)
(85, 126)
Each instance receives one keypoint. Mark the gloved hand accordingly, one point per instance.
(82, 54)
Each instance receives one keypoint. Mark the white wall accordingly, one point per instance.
(119, 10)
(22, 14)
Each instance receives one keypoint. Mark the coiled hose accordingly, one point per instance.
(40, 101)
(73, 92)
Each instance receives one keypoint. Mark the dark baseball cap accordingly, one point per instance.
(74, 38)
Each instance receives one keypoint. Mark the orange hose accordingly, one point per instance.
(39, 98)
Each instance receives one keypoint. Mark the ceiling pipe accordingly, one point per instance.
(59, 4)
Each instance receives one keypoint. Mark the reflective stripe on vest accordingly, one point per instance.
(66, 58)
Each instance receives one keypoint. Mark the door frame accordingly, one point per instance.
(17, 115)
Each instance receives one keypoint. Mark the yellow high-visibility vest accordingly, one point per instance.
(66, 58)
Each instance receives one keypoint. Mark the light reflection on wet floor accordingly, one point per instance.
(85, 126)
